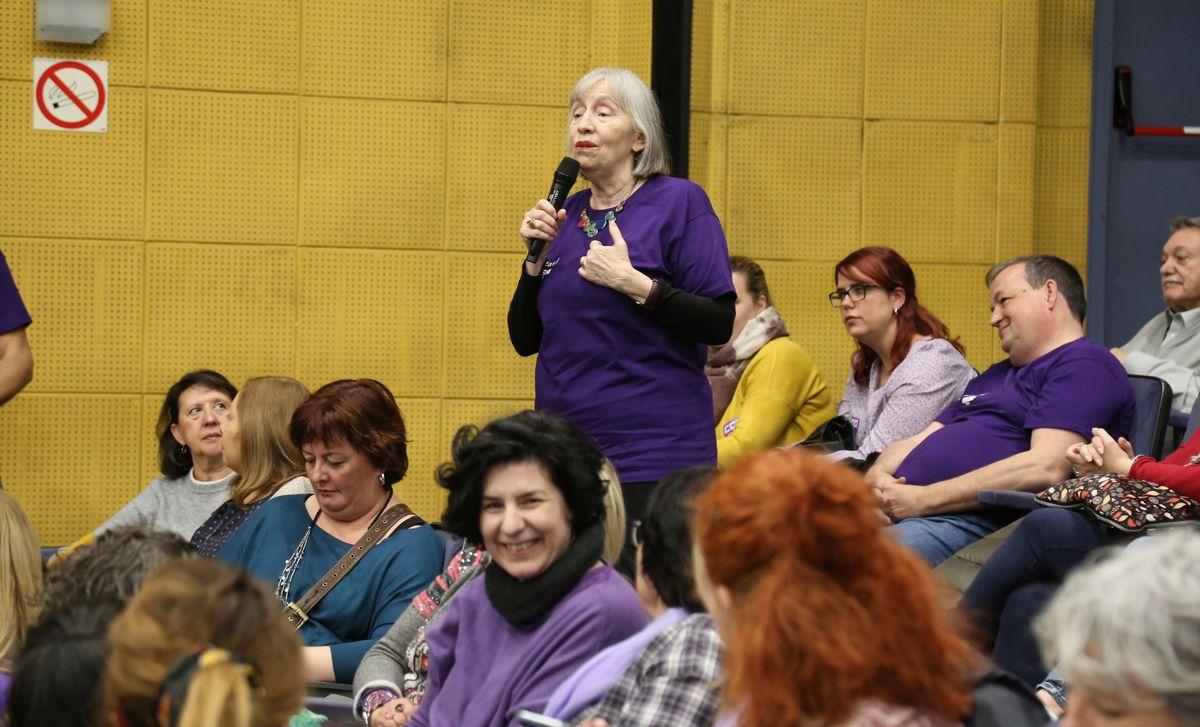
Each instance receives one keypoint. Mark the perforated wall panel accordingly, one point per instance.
(222, 167)
(125, 51)
(230, 308)
(51, 448)
(957, 295)
(460, 412)
(228, 45)
(931, 190)
(938, 59)
(1060, 210)
(708, 157)
(531, 53)
(1065, 63)
(622, 34)
(794, 186)
(503, 158)
(479, 360)
(1019, 61)
(375, 314)
(797, 58)
(85, 298)
(72, 185)
(710, 56)
(1015, 201)
(148, 442)
(374, 173)
(371, 49)
(423, 421)
(799, 290)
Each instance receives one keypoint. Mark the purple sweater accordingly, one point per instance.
(483, 670)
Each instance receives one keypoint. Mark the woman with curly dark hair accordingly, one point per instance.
(826, 619)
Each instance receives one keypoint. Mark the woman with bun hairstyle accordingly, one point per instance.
(907, 368)
(826, 619)
(203, 645)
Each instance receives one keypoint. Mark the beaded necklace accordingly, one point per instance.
(283, 587)
(592, 228)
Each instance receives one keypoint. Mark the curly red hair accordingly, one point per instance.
(827, 608)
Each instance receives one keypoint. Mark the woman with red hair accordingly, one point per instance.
(826, 619)
(907, 368)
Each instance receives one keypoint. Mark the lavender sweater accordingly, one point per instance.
(483, 670)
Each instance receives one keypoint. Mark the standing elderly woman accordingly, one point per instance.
(527, 487)
(634, 283)
(1126, 634)
(258, 447)
(907, 369)
(352, 438)
(767, 391)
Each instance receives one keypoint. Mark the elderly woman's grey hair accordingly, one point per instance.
(1128, 626)
(636, 99)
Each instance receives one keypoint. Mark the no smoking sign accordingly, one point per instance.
(70, 95)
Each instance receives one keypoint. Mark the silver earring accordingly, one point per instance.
(382, 481)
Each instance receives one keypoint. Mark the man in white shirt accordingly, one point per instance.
(1168, 346)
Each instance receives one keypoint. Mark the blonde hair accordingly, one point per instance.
(269, 458)
(614, 512)
(20, 575)
(207, 606)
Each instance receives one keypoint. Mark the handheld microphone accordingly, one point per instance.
(564, 179)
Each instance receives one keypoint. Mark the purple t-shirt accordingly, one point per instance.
(1077, 386)
(483, 670)
(12, 309)
(634, 385)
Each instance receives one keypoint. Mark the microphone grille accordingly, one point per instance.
(568, 167)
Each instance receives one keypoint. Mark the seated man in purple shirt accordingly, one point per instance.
(1014, 422)
(16, 360)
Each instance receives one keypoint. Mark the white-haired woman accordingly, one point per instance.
(633, 285)
(1126, 634)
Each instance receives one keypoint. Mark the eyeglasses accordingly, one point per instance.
(855, 293)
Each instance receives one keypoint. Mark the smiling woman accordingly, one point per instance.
(352, 439)
(528, 488)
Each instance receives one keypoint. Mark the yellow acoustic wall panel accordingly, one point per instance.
(799, 290)
(423, 422)
(494, 182)
(528, 53)
(937, 59)
(1061, 193)
(230, 45)
(85, 298)
(479, 362)
(1065, 63)
(227, 307)
(710, 56)
(931, 190)
(52, 459)
(708, 157)
(794, 186)
(1015, 190)
(616, 34)
(371, 313)
(72, 185)
(151, 405)
(222, 167)
(1019, 61)
(124, 51)
(372, 49)
(797, 57)
(957, 295)
(387, 192)
(457, 413)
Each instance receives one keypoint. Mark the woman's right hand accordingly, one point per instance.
(1084, 460)
(393, 714)
(540, 223)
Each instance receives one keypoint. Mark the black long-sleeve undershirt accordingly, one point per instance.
(694, 317)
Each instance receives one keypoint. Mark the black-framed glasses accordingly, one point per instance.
(855, 293)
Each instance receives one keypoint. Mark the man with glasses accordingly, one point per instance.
(1014, 422)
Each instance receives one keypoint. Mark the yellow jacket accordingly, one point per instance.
(780, 399)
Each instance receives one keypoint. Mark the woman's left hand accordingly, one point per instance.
(1115, 456)
(609, 265)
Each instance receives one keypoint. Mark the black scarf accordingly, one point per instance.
(522, 603)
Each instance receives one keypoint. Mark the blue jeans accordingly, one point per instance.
(938, 537)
